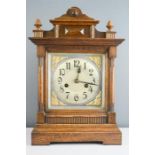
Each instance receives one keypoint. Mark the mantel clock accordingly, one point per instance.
(75, 81)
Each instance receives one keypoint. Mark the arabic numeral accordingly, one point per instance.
(61, 89)
(76, 63)
(90, 89)
(61, 72)
(59, 80)
(76, 98)
(94, 80)
(68, 65)
(67, 95)
(84, 95)
(91, 72)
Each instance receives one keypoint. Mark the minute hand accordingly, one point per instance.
(87, 83)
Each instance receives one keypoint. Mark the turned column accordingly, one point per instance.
(112, 55)
(92, 31)
(38, 33)
(56, 30)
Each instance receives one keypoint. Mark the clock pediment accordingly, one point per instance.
(74, 24)
(74, 16)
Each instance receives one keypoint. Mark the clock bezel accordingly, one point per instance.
(86, 58)
(82, 112)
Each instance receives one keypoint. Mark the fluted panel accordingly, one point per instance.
(76, 120)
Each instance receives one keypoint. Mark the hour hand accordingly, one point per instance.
(79, 70)
(77, 77)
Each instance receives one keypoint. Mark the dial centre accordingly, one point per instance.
(86, 85)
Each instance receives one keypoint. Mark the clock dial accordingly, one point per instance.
(76, 81)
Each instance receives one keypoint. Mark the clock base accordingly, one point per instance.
(44, 134)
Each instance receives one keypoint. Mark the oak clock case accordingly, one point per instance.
(75, 81)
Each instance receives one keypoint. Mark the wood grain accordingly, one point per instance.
(104, 133)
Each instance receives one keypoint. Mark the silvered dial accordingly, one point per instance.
(76, 81)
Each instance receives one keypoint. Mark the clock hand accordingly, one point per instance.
(77, 77)
(87, 82)
(79, 69)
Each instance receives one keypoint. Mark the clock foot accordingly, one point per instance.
(40, 142)
(112, 142)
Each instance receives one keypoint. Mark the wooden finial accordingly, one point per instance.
(38, 32)
(109, 25)
(38, 24)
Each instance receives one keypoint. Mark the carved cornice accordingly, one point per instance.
(76, 41)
